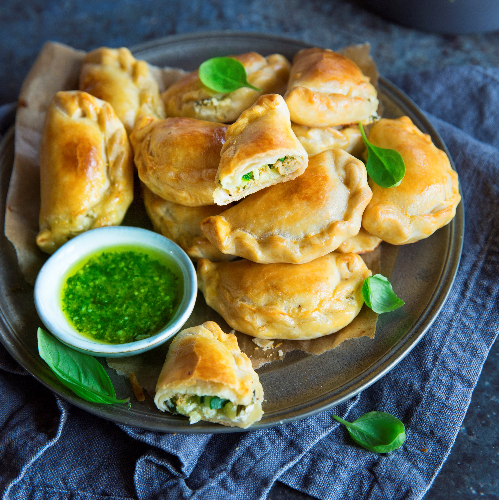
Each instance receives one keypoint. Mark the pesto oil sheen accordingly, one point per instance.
(121, 294)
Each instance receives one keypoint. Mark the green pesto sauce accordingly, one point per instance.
(121, 295)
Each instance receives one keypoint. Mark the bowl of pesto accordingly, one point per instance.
(116, 291)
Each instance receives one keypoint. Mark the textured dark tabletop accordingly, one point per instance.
(471, 470)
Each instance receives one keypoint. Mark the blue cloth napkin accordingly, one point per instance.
(50, 449)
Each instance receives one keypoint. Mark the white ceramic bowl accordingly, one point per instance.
(50, 280)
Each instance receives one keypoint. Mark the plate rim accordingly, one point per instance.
(167, 423)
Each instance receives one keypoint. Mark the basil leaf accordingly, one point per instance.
(224, 74)
(385, 167)
(376, 431)
(81, 373)
(379, 295)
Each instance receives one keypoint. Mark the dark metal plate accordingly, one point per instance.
(301, 384)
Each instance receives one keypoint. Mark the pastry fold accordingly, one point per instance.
(189, 97)
(299, 220)
(362, 242)
(428, 195)
(86, 169)
(115, 76)
(181, 224)
(260, 150)
(285, 301)
(318, 139)
(177, 158)
(206, 377)
(327, 89)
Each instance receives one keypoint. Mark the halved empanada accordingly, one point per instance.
(428, 195)
(327, 89)
(189, 97)
(177, 158)
(260, 150)
(362, 242)
(86, 169)
(318, 139)
(206, 377)
(115, 76)
(181, 224)
(300, 220)
(285, 301)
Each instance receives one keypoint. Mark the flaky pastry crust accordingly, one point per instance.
(205, 361)
(177, 158)
(260, 144)
(285, 301)
(318, 139)
(86, 169)
(181, 224)
(115, 76)
(327, 89)
(362, 242)
(428, 195)
(189, 97)
(299, 220)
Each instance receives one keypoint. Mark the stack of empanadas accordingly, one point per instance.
(265, 188)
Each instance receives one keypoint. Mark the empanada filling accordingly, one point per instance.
(264, 173)
(206, 407)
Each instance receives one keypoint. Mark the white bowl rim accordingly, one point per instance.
(49, 282)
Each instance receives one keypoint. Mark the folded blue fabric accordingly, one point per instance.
(50, 449)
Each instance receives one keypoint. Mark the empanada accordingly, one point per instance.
(300, 220)
(285, 301)
(318, 139)
(115, 76)
(86, 168)
(206, 377)
(189, 97)
(428, 195)
(177, 158)
(362, 242)
(181, 224)
(327, 89)
(260, 150)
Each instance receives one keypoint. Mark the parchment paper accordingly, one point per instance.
(57, 68)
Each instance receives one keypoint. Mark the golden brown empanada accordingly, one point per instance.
(181, 224)
(86, 168)
(206, 377)
(362, 242)
(318, 139)
(285, 301)
(300, 220)
(327, 89)
(177, 158)
(260, 150)
(428, 195)
(115, 76)
(189, 97)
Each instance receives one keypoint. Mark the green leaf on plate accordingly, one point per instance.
(379, 295)
(81, 373)
(224, 74)
(385, 167)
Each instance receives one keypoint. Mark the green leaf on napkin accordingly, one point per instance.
(376, 431)
(224, 74)
(385, 167)
(81, 373)
(379, 295)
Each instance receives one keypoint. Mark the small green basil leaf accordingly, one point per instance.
(379, 296)
(81, 373)
(385, 167)
(224, 74)
(376, 431)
